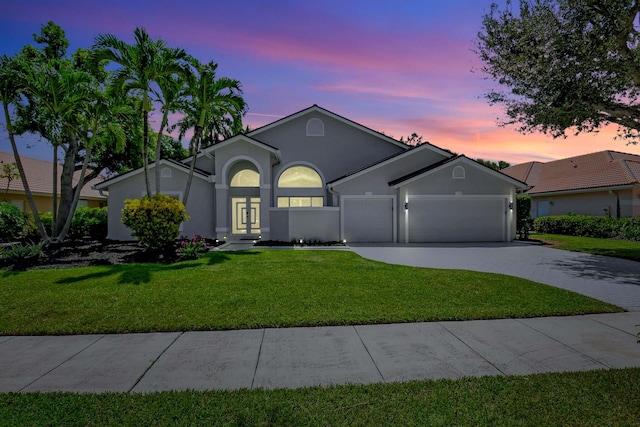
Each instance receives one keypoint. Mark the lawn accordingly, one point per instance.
(268, 288)
(595, 398)
(610, 247)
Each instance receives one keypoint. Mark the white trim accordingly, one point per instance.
(394, 213)
(234, 139)
(127, 175)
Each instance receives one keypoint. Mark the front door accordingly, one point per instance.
(245, 215)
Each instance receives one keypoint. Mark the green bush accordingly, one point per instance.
(523, 216)
(21, 251)
(12, 223)
(89, 222)
(155, 221)
(590, 226)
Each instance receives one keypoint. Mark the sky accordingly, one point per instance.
(397, 67)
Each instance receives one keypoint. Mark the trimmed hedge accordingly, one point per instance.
(590, 226)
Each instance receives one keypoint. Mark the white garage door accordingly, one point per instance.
(367, 219)
(463, 219)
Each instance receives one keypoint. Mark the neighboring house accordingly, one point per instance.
(40, 177)
(317, 175)
(603, 183)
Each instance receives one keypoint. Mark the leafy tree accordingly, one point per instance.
(565, 64)
(413, 139)
(213, 108)
(9, 171)
(143, 63)
(493, 165)
(172, 149)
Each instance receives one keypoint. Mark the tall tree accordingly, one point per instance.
(8, 171)
(566, 64)
(213, 109)
(142, 64)
(168, 95)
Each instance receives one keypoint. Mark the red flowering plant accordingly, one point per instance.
(191, 248)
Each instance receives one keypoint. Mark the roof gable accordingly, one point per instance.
(317, 109)
(421, 173)
(235, 139)
(391, 159)
(166, 162)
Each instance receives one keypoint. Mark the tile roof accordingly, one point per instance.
(603, 169)
(39, 174)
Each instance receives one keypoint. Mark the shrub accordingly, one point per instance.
(155, 221)
(523, 218)
(21, 252)
(590, 226)
(12, 223)
(89, 222)
(191, 248)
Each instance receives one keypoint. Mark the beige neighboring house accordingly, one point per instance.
(39, 175)
(601, 183)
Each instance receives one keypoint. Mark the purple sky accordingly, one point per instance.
(397, 67)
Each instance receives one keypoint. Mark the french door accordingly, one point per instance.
(245, 215)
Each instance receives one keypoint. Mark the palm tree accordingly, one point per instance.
(143, 63)
(214, 111)
(10, 95)
(169, 96)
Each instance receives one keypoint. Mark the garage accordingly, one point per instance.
(368, 219)
(456, 219)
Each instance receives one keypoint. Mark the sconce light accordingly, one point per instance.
(406, 206)
(511, 205)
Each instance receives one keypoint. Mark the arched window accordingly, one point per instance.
(315, 127)
(458, 172)
(309, 183)
(300, 177)
(246, 178)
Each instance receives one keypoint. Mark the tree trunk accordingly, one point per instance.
(65, 209)
(54, 195)
(76, 196)
(195, 147)
(159, 150)
(145, 150)
(23, 177)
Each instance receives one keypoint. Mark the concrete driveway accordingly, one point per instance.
(613, 280)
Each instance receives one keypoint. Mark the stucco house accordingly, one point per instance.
(605, 183)
(39, 176)
(318, 175)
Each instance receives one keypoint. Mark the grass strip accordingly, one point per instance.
(594, 398)
(610, 247)
(268, 288)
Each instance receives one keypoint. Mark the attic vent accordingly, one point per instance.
(315, 127)
(165, 173)
(458, 172)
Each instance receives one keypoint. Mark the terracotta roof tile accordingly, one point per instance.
(595, 170)
(39, 175)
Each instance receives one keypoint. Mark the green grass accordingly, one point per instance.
(610, 247)
(595, 398)
(270, 288)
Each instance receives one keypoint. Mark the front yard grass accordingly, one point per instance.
(610, 247)
(269, 288)
(596, 398)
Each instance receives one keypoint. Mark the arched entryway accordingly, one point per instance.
(244, 199)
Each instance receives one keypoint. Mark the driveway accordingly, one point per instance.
(613, 280)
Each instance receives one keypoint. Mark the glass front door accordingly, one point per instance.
(245, 215)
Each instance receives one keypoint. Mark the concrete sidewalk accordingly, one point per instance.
(300, 357)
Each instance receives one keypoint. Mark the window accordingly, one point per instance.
(246, 178)
(300, 177)
(165, 173)
(458, 172)
(315, 127)
(300, 202)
